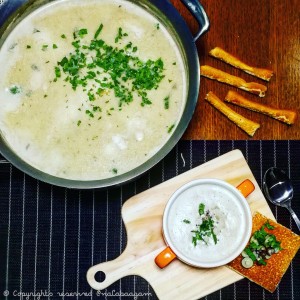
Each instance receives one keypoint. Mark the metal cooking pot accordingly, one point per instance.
(165, 12)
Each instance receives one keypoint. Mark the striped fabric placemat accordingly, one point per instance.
(50, 236)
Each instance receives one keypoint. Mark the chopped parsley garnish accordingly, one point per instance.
(157, 26)
(15, 89)
(63, 36)
(54, 46)
(76, 44)
(36, 30)
(44, 47)
(78, 122)
(89, 113)
(115, 171)
(91, 96)
(28, 47)
(186, 221)
(167, 102)
(205, 230)
(171, 128)
(120, 35)
(97, 108)
(98, 31)
(111, 68)
(57, 72)
(82, 32)
(129, 45)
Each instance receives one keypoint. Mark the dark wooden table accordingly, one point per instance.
(263, 33)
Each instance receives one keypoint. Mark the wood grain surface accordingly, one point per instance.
(142, 216)
(262, 33)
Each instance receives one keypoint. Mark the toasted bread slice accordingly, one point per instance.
(252, 87)
(283, 115)
(221, 54)
(270, 275)
(247, 125)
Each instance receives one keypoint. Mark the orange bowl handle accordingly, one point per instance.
(246, 187)
(165, 257)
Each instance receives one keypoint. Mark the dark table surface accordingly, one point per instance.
(50, 236)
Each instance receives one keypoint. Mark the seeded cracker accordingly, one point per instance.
(270, 275)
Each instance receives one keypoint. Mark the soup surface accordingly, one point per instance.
(89, 89)
(212, 234)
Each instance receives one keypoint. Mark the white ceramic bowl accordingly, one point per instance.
(232, 239)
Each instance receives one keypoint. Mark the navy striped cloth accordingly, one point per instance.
(50, 236)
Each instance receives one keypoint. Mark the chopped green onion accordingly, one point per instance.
(201, 209)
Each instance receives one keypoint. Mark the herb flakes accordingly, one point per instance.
(167, 102)
(125, 74)
(205, 230)
(15, 89)
(44, 47)
(171, 128)
(98, 31)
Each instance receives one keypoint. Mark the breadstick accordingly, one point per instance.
(235, 62)
(247, 125)
(252, 87)
(283, 115)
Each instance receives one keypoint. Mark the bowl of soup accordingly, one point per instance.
(94, 93)
(206, 223)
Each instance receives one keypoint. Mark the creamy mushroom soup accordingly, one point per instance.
(89, 89)
(205, 223)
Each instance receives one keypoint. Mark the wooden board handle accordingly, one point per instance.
(113, 270)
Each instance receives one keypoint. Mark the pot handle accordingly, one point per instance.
(200, 15)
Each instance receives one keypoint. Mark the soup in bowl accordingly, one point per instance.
(206, 223)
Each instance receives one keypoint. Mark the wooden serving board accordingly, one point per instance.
(142, 215)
